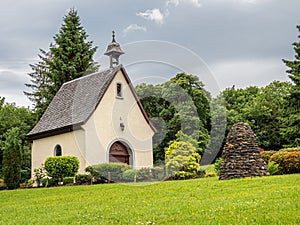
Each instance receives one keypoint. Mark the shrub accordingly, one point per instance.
(59, 167)
(193, 165)
(144, 174)
(83, 179)
(1, 181)
(158, 172)
(38, 175)
(292, 162)
(111, 171)
(91, 171)
(278, 158)
(294, 149)
(288, 161)
(95, 178)
(273, 168)
(266, 155)
(129, 175)
(68, 180)
(48, 182)
(3, 186)
(201, 173)
(30, 182)
(210, 175)
(217, 165)
(182, 175)
(182, 156)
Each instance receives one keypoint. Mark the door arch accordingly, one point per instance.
(118, 152)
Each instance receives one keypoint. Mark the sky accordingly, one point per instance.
(224, 42)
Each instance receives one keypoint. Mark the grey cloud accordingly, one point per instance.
(224, 33)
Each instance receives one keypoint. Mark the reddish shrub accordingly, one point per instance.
(292, 162)
(266, 155)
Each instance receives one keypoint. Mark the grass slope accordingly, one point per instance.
(268, 200)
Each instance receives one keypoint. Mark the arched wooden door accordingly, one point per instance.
(118, 153)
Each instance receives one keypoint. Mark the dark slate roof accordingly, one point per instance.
(74, 103)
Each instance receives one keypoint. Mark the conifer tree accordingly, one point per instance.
(40, 82)
(292, 130)
(69, 57)
(12, 159)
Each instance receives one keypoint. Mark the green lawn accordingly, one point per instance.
(269, 200)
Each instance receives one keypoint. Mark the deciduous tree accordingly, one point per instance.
(22, 118)
(178, 107)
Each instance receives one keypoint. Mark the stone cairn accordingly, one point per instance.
(241, 156)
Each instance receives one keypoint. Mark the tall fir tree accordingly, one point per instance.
(70, 57)
(292, 130)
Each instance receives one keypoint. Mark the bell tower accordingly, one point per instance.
(113, 51)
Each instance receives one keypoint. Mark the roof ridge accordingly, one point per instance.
(89, 75)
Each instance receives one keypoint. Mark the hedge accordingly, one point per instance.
(111, 171)
(288, 162)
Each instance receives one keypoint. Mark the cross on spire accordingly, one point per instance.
(113, 36)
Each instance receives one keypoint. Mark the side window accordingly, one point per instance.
(119, 90)
(57, 150)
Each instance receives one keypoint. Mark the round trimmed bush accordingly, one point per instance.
(59, 167)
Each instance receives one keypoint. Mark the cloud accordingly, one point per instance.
(153, 15)
(195, 3)
(249, 1)
(242, 73)
(12, 86)
(134, 27)
(159, 16)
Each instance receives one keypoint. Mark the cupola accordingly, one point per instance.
(114, 51)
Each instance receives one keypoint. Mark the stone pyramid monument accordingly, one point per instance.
(241, 157)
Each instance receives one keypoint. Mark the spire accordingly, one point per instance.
(114, 51)
(113, 36)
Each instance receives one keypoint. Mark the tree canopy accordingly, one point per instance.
(22, 119)
(178, 108)
(263, 108)
(291, 131)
